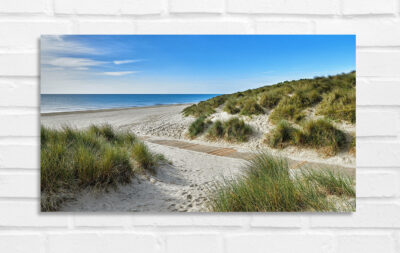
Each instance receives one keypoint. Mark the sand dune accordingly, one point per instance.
(167, 122)
(183, 185)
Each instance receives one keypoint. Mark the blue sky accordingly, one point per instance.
(176, 64)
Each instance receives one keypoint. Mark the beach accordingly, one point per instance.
(183, 184)
(167, 122)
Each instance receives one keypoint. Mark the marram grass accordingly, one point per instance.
(269, 186)
(319, 134)
(334, 97)
(97, 157)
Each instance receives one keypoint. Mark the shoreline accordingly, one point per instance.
(110, 110)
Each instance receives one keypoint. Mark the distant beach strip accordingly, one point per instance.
(56, 103)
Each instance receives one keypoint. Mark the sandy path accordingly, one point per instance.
(178, 187)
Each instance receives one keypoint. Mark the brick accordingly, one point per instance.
(105, 27)
(365, 243)
(378, 63)
(22, 242)
(192, 27)
(22, 6)
(104, 242)
(163, 220)
(19, 64)
(27, 214)
(111, 7)
(11, 156)
(101, 220)
(20, 185)
(368, 215)
(142, 7)
(20, 125)
(317, 7)
(370, 32)
(193, 243)
(377, 184)
(276, 220)
(378, 154)
(26, 34)
(19, 93)
(378, 92)
(108, 7)
(200, 6)
(283, 27)
(369, 123)
(355, 7)
(279, 243)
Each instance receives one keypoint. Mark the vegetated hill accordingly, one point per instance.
(332, 96)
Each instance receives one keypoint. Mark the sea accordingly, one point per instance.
(82, 102)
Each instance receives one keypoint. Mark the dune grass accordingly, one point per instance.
(251, 107)
(216, 131)
(204, 108)
(231, 107)
(340, 104)
(352, 146)
(333, 95)
(199, 110)
(198, 126)
(323, 135)
(319, 134)
(271, 99)
(269, 186)
(290, 109)
(282, 135)
(233, 130)
(98, 157)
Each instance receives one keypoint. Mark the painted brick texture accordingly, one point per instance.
(375, 227)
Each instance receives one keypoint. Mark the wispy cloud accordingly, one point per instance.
(57, 44)
(120, 73)
(72, 62)
(126, 61)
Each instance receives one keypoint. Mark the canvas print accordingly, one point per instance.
(198, 123)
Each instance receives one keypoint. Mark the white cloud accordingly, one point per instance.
(71, 62)
(56, 44)
(121, 73)
(126, 61)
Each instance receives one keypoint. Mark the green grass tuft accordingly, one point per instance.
(234, 130)
(289, 108)
(323, 135)
(98, 157)
(144, 158)
(231, 107)
(216, 131)
(319, 134)
(270, 99)
(282, 135)
(198, 126)
(333, 183)
(268, 186)
(340, 104)
(251, 107)
(204, 108)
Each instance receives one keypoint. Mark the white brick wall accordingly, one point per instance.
(375, 227)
